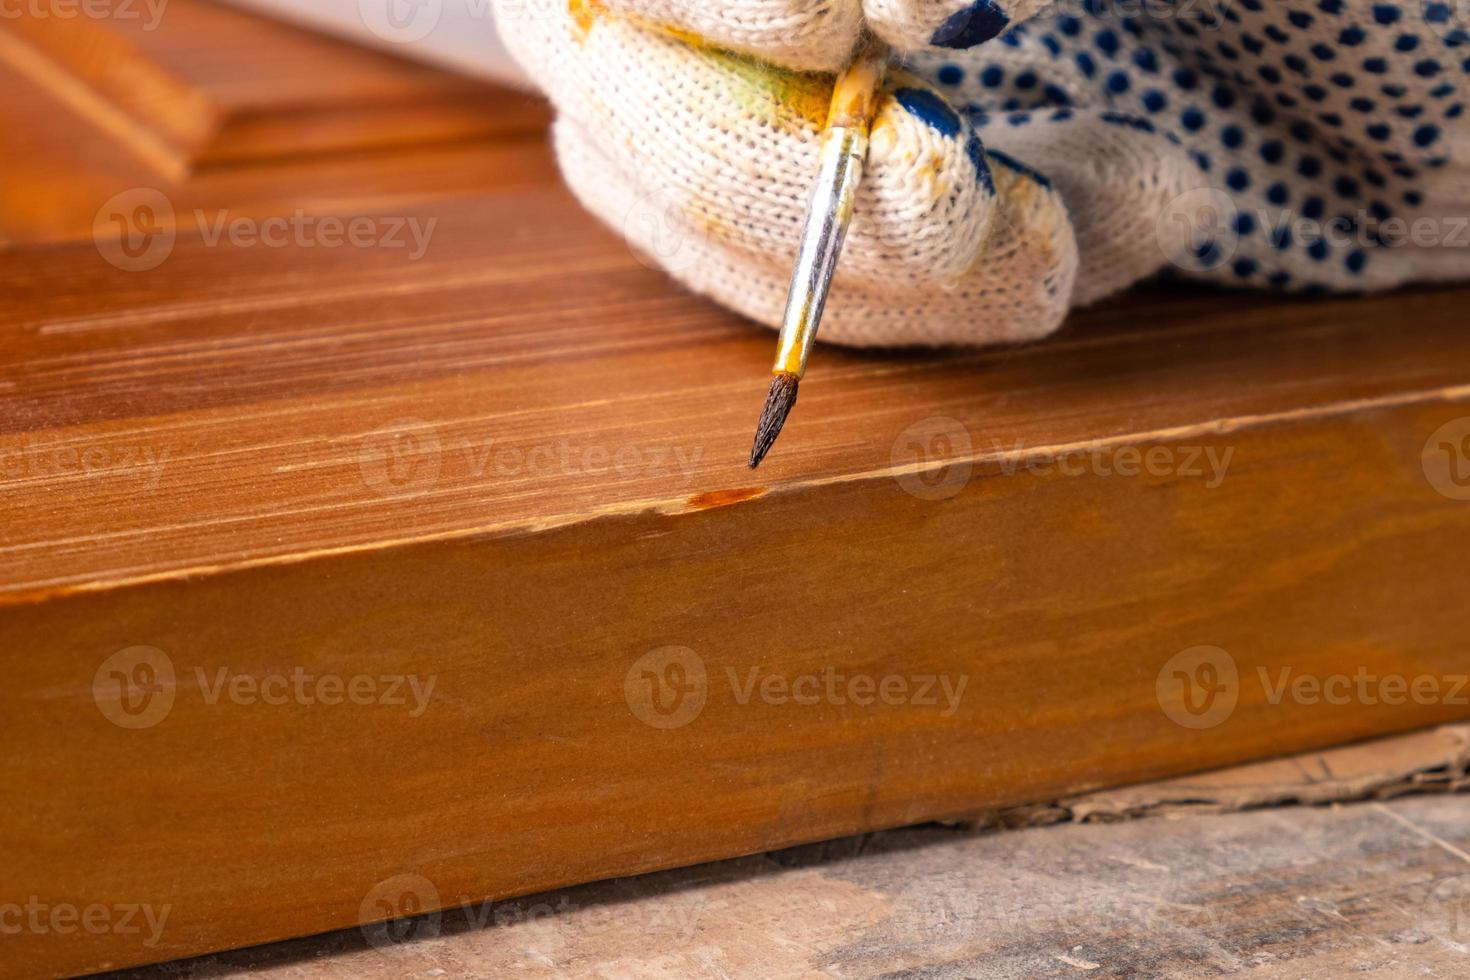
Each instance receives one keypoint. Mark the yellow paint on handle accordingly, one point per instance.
(855, 96)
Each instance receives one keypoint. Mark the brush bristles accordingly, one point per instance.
(779, 402)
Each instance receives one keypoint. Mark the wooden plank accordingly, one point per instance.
(188, 85)
(215, 109)
(503, 460)
(198, 363)
(69, 182)
(1375, 889)
(295, 528)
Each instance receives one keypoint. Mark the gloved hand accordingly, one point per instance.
(1007, 181)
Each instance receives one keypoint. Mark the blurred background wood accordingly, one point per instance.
(186, 96)
(439, 454)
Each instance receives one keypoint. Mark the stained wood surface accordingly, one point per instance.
(186, 85)
(267, 380)
(1372, 889)
(289, 530)
(218, 108)
(510, 469)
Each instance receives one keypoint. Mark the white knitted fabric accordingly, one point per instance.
(1310, 144)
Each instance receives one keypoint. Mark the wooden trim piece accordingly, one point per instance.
(323, 563)
(191, 86)
(626, 693)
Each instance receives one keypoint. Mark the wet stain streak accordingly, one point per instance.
(724, 498)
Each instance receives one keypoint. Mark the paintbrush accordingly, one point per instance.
(844, 148)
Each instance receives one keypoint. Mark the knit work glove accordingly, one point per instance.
(1068, 158)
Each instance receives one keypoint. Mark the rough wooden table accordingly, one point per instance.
(1378, 889)
(323, 563)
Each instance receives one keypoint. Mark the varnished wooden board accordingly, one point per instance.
(185, 86)
(513, 469)
(271, 380)
(68, 180)
(487, 464)
(74, 170)
(1373, 890)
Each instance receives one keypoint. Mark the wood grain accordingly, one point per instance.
(1375, 889)
(508, 467)
(296, 527)
(188, 85)
(216, 108)
(479, 347)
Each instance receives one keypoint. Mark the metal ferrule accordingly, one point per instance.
(829, 213)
